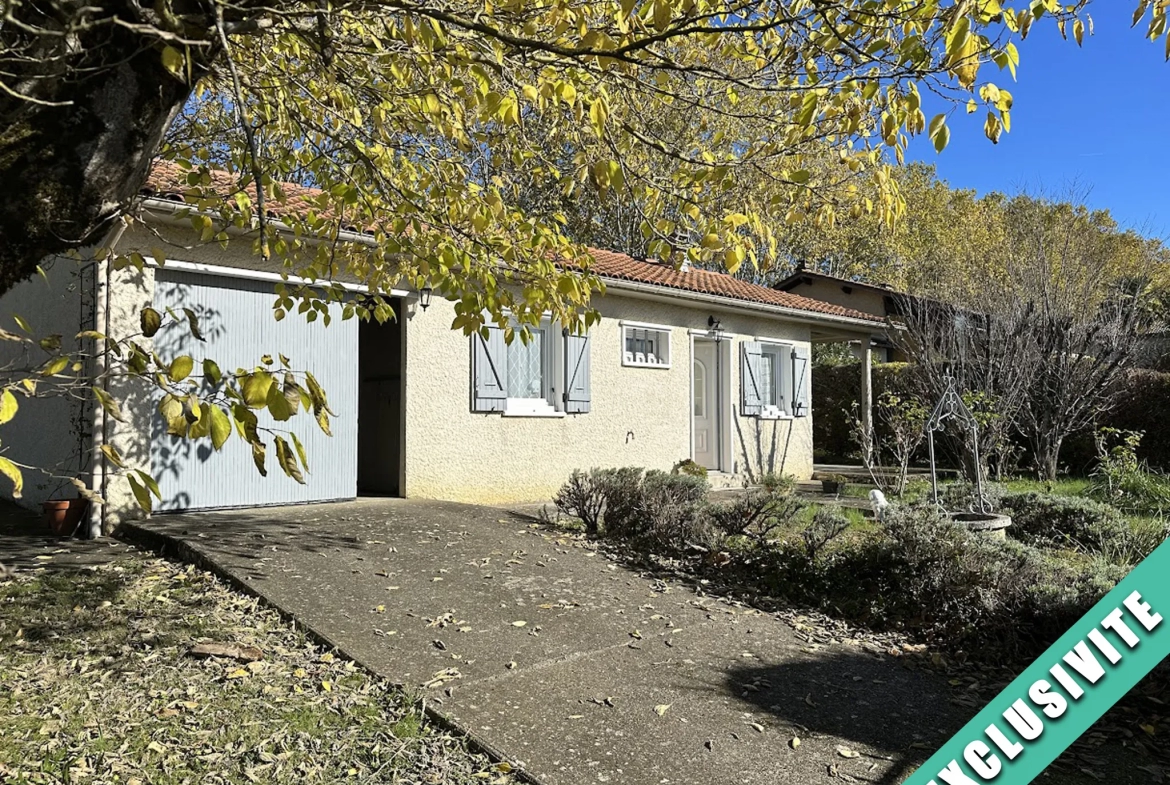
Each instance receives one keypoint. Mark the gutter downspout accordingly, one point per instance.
(100, 483)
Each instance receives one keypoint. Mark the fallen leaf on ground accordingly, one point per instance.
(661, 708)
(230, 650)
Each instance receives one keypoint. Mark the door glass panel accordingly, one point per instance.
(700, 392)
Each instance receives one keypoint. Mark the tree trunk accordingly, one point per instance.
(1047, 457)
(69, 170)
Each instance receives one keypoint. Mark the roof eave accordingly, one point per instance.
(670, 293)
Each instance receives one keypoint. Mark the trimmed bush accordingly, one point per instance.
(1136, 394)
(1046, 520)
(960, 496)
(624, 502)
(583, 497)
(964, 590)
(757, 512)
(688, 466)
(672, 518)
(828, 524)
(657, 510)
(1141, 397)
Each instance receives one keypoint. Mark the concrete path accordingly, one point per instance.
(549, 654)
(27, 544)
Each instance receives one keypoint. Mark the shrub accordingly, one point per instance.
(622, 489)
(967, 590)
(758, 511)
(942, 574)
(778, 483)
(688, 466)
(834, 391)
(1137, 396)
(671, 513)
(828, 524)
(1146, 534)
(1122, 480)
(584, 497)
(1047, 520)
(657, 510)
(960, 496)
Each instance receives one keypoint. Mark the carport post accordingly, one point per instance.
(867, 384)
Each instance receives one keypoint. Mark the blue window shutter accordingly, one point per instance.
(577, 373)
(751, 404)
(489, 389)
(800, 381)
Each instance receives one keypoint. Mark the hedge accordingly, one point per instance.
(1140, 398)
(835, 390)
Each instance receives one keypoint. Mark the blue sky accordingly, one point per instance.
(1098, 115)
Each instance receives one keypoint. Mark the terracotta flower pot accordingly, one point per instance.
(63, 516)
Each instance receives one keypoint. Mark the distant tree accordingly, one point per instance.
(1086, 289)
(1036, 335)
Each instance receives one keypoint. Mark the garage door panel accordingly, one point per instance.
(235, 318)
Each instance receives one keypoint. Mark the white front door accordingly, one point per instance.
(704, 405)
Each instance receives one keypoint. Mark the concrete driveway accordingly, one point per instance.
(581, 670)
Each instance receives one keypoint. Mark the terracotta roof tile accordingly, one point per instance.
(622, 267)
(168, 181)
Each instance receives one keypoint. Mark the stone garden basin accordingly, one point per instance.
(989, 524)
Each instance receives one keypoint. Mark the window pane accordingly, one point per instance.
(767, 378)
(525, 367)
(700, 392)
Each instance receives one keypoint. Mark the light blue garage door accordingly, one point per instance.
(236, 320)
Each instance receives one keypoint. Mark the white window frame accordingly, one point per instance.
(550, 403)
(781, 379)
(664, 331)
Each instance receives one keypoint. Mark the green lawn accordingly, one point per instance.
(96, 686)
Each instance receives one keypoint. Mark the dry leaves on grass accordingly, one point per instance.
(97, 685)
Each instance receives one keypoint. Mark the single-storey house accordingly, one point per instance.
(684, 363)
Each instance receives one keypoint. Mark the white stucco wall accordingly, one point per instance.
(859, 298)
(131, 290)
(638, 417)
(47, 432)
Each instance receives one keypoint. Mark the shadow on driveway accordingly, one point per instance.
(890, 712)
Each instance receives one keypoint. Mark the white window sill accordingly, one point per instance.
(632, 364)
(523, 407)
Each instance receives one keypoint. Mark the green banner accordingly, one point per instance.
(1066, 690)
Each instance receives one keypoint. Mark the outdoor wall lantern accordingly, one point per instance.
(715, 328)
(424, 297)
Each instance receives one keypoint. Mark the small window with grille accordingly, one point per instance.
(645, 345)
